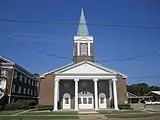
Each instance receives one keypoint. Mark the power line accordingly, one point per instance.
(75, 23)
(101, 61)
(131, 58)
(141, 77)
(41, 51)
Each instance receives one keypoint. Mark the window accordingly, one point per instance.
(84, 100)
(21, 77)
(101, 100)
(83, 48)
(66, 100)
(29, 81)
(15, 74)
(28, 91)
(19, 89)
(31, 92)
(79, 101)
(32, 82)
(89, 100)
(25, 79)
(13, 88)
(24, 91)
(4, 72)
(35, 91)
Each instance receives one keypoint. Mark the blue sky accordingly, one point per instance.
(110, 42)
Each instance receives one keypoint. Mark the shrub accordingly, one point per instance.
(18, 105)
(44, 107)
(1, 108)
(124, 106)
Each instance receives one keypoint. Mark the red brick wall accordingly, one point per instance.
(46, 92)
(9, 81)
(121, 90)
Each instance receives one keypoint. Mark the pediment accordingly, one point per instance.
(84, 68)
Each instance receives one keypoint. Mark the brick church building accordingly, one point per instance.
(83, 84)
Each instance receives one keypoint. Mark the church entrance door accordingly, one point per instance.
(85, 100)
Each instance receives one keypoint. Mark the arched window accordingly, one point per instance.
(102, 100)
(83, 48)
(66, 101)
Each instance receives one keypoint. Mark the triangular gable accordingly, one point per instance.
(72, 68)
(84, 68)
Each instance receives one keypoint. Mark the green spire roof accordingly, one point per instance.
(82, 28)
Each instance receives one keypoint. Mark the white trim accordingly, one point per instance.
(115, 94)
(67, 106)
(96, 93)
(102, 105)
(85, 77)
(55, 94)
(7, 60)
(83, 38)
(72, 65)
(86, 105)
(89, 50)
(76, 93)
(52, 71)
(78, 49)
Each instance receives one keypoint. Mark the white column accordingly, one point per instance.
(89, 51)
(78, 48)
(58, 92)
(55, 94)
(110, 89)
(115, 94)
(96, 93)
(76, 93)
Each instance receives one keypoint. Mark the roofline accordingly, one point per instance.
(42, 75)
(18, 66)
(153, 92)
(132, 94)
(98, 65)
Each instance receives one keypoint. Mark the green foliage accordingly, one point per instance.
(20, 104)
(141, 89)
(44, 107)
(124, 106)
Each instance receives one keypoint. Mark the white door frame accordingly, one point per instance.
(67, 97)
(102, 105)
(85, 95)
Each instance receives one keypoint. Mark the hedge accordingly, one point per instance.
(20, 104)
(124, 106)
(44, 107)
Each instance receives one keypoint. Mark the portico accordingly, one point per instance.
(95, 100)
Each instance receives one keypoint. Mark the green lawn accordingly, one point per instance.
(51, 113)
(9, 112)
(37, 117)
(136, 115)
(119, 111)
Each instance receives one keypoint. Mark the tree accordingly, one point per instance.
(141, 89)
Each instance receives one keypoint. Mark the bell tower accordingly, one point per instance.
(83, 42)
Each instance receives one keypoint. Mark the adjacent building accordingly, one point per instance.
(16, 83)
(83, 84)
